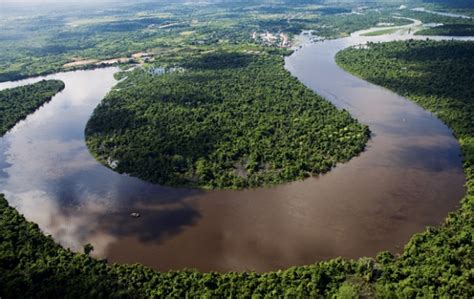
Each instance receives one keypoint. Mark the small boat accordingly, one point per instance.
(135, 214)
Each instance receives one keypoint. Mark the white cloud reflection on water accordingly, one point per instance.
(43, 154)
(73, 229)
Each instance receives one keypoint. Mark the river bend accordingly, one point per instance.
(410, 176)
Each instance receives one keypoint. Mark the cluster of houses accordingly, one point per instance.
(158, 70)
(267, 38)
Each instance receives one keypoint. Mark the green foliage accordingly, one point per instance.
(380, 32)
(16, 103)
(347, 291)
(453, 3)
(452, 30)
(42, 44)
(438, 76)
(445, 25)
(88, 248)
(337, 25)
(34, 266)
(230, 120)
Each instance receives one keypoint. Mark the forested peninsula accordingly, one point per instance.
(225, 119)
(16, 103)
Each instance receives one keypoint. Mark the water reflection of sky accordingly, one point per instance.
(46, 167)
(49, 175)
(43, 150)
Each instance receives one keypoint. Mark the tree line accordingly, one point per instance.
(16, 103)
(438, 76)
(229, 120)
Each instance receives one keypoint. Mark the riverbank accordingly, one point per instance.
(443, 253)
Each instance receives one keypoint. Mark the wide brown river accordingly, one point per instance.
(409, 177)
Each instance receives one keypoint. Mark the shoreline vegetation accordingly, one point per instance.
(33, 265)
(449, 30)
(436, 24)
(439, 261)
(381, 32)
(227, 119)
(16, 103)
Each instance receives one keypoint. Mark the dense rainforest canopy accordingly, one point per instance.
(16, 103)
(225, 120)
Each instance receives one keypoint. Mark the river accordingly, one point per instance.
(409, 177)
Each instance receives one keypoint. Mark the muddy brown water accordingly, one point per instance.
(409, 177)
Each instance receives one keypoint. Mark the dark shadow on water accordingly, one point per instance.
(155, 224)
(162, 210)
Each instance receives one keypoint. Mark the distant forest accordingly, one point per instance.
(453, 3)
